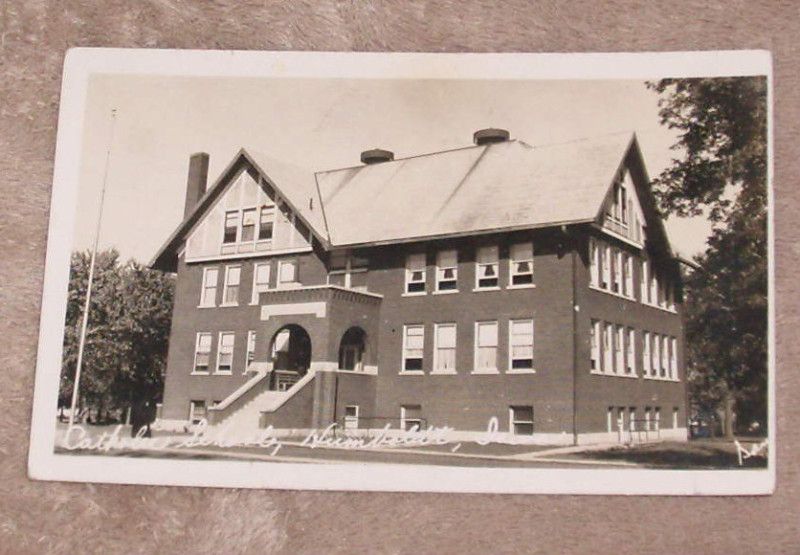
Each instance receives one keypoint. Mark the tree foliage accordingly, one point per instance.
(127, 333)
(722, 135)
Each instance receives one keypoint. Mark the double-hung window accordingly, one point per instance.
(413, 345)
(653, 287)
(664, 356)
(197, 411)
(202, 353)
(251, 348)
(287, 273)
(656, 347)
(521, 420)
(631, 352)
(415, 273)
(617, 285)
(487, 268)
(594, 262)
(248, 225)
(605, 282)
(208, 295)
(260, 280)
(521, 264)
(485, 348)
(608, 345)
(233, 276)
(645, 291)
(619, 350)
(225, 353)
(673, 358)
(266, 223)
(646, 357)
(520, 348)
(231, 229)
(628, 275)
(444, 361)
(595, 339)
(447, 270)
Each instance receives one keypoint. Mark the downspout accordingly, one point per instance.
(575, 334)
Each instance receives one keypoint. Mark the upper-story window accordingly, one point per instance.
(521, 264)
(645, 281)
(487, 268)
(628, 269)
(202, 353)
(647, 361)
(595, 345)
(444, 349)
(413, 345)
(631, 353)
(233, 276)
(616, 285)
(287, 273)
(261, 272)
(415, 273)
(618, 209)
(225, 353)
(250, 356)
(605, 278)
(249, 228)
(594, 262)
(447, 270)
(208, 293)
(485, 347)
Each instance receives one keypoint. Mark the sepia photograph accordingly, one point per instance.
(413, 272)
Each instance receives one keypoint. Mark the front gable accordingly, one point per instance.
(248, 217)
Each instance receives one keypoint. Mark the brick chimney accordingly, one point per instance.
(376, 156)
(196, 181)
(490, 135)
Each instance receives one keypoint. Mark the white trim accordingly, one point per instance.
(436, 327)
(414, 294)
(512, 421)
(440, 292)
(403, 357)
(411, 373)
(203, 287)
(476, 346)
(493, 288)
(317, 308)
(436, 279)
(257, 254)
(510, 367)
(616, 235)
(226, 283)
(196, 347)
(409, 270)
(217, 371)
(520, 286)
(254, 293)
(478, 264)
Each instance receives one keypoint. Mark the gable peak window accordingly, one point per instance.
(487, 267)
(521, 263)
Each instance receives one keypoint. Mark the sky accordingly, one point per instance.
(323, 124)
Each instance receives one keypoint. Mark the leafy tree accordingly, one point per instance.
(126, 340)
(722, 172)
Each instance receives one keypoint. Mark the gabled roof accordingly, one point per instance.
(492, 187)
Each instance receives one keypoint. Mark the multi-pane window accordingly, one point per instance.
(631, 353)
(411, 417)
(287, 272)
(608, 342)
(657, 418)
(413, 344)
(260, 280)
(225, 353)
(521, 264)
(486, 347)
(233, 276)
(202, 353)
(646, 357)
(594, 263)
(251, 348)
(351, 417)
(248, 225)
(619, 350)
(595, 338)
(653, 287)
(444, 348)
(447, 270)
(628, 275)
(656, 354)
(208, 295)
(664, 356)
(521, 420)
(231, 226)
(520, 338)
(197, 411)
(415, 273)
(487, 267)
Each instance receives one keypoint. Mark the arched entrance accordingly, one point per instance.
(351, 349)
(290, 354)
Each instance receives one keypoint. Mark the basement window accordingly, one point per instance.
(197, 411)
(411, 417)
(521, 420)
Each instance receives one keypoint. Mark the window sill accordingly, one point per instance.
(485, 372)
(414, 294)
(513, 371)
(228, 305)
(669, 310)
(206, 306)
(443, 373)
(613, 374)
(199, 373)
(223, 373)
(522, 286)
(411, 373)
(479, 289)
(609, 292)
(445, 291)
(660, 379)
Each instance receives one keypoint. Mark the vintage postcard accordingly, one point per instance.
(508, 273)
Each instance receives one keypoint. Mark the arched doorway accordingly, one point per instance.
(351, 349)
(290, 354)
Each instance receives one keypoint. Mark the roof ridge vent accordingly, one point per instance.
(490, 135)
(376, 156)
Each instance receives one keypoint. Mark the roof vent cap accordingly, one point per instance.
(490, 135)
(376, 156)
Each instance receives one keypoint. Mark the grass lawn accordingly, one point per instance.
(698, 454)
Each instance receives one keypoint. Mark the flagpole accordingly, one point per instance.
(85, 323)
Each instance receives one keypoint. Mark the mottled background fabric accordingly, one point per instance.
(41, 517)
